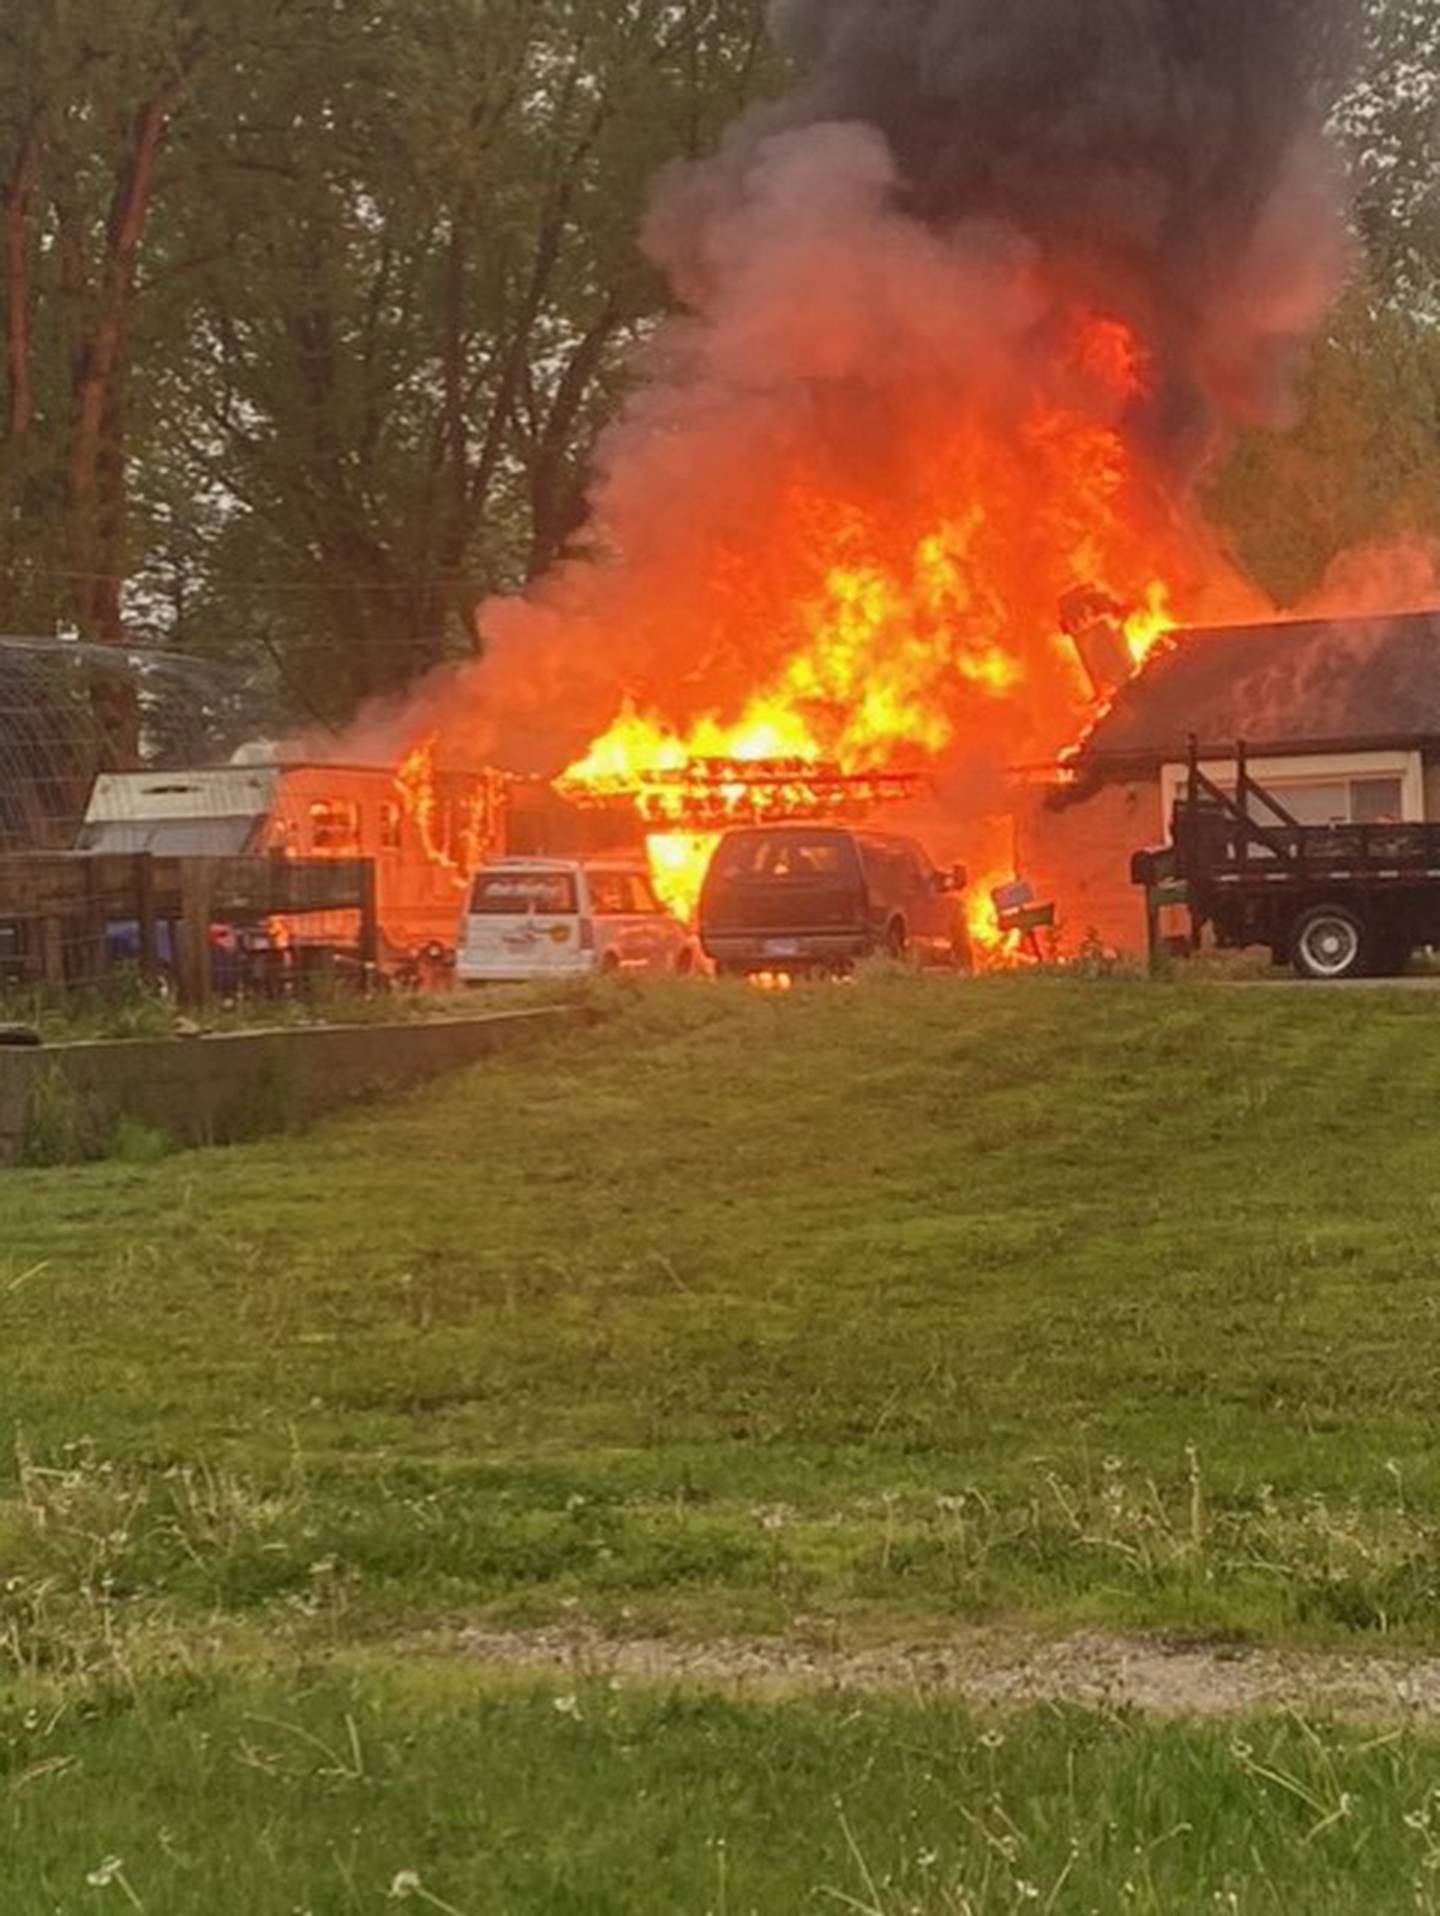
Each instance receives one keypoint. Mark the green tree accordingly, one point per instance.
(1361, 466)
(425, 288)
(309, 314)
(1391, 122)
(89, 98)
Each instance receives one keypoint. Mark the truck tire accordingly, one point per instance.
(1330, 943)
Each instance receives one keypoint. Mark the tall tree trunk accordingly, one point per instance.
(19, 294)
(97, 452)
(19, 407)
(101, 361)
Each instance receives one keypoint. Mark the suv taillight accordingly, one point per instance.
(587, 934)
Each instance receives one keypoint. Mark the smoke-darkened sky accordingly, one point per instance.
(1165, 156)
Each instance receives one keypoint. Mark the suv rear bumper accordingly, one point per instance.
(774, 950)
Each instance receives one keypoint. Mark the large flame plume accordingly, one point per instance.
(960, 321)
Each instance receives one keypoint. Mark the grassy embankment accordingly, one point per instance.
(357, 1788)
(900, 1305)
(865, 1313)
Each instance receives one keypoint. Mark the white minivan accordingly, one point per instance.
(562, 917)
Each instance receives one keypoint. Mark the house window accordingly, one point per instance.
(1333, 788)
(1313, 803)
(1376, 801)
(392, 820)
(1354, 801)
(335, 827)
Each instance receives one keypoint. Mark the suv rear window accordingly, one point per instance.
(511, 894)
(785, 857)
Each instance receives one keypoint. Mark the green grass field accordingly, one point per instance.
(874, 1313)
(353, 1788)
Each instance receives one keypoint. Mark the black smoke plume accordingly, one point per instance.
(1167, 158)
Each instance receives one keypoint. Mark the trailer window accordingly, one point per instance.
(335, 827)
(392, 820)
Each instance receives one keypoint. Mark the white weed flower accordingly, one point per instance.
(105, 1872)
(568, 1705)
(404, 1884)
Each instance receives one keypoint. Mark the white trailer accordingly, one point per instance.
(425, 835)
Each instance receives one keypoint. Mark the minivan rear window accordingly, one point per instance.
(785, 857)
(508, 894)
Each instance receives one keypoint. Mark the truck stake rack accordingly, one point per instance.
(1336, 901)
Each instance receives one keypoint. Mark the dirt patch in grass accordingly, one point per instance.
(991, 1668)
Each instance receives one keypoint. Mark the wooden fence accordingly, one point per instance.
(68, 918)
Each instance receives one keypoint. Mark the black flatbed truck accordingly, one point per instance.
(1333, 901)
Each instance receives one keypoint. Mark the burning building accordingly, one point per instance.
(1341, 719)
(959, 322)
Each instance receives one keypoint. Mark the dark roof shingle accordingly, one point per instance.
(1341, 681)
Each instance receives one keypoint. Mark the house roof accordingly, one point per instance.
(1297, 686)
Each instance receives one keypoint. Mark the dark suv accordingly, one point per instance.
(817, 898)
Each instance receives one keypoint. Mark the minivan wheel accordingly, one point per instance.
(896, 944)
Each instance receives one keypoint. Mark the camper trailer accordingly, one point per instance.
(424, 837)
(424, 830)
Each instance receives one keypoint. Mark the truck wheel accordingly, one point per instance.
(1330, 943)
(897, 945)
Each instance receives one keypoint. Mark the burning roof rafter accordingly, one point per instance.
(711, 793)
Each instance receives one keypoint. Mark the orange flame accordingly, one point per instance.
(455, 829)
(1153, 625)
(1108, 351)
(889, 623)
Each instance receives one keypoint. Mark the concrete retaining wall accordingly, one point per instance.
(65, 1100)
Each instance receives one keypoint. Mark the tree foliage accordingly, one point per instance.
(89, 98)
(1361, 465)
(310, 313)
(427, 277)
